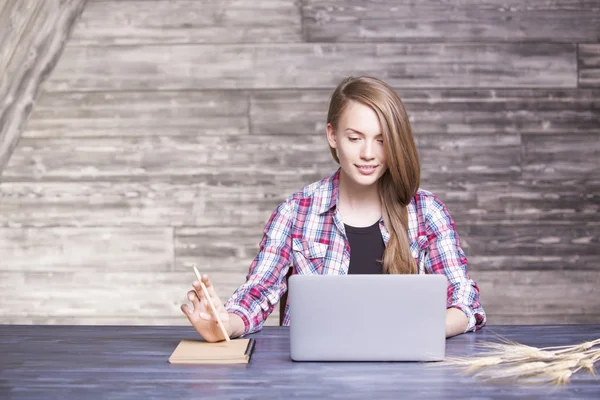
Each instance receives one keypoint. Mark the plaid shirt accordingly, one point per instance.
(306, 232)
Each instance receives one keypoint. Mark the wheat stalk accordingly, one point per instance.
(509, 360)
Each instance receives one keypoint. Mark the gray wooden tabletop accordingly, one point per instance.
(129, 362)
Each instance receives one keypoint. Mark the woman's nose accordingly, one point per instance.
(367, 151)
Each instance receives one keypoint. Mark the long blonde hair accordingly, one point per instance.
(400, 182)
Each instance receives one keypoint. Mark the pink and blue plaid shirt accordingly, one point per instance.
(306, 232)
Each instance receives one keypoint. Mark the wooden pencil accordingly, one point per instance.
(212, 306)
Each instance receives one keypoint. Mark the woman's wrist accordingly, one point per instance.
(456, 322)
(236, 326)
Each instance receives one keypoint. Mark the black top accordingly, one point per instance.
(366, 247)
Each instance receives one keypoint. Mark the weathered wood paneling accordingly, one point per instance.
(98, 297)
(137, 204)
(298, 111)
(38, 204)
(87, 249)
(103, 114)
(540, 319)
(124, 158)
(17, 36)
(589, 65)
(143, 294)
(550, 294)
(439, 21)
(248, 157)
(148, 295)
(185, 21)
(477, 111)
(216, 249)
(531, 263)
(559, 157)
(170, 130)
(473, 158)
(533, 240)
(521, 203)
(302, 65)
(14, 19)
(112, 320)
(280, 112)
(39, 32)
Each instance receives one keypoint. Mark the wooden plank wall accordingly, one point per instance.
(32, 35)
(169, 131)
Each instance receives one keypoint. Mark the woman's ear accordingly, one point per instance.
(331, 137)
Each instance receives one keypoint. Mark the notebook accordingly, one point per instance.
(238, 351)
(367, 317)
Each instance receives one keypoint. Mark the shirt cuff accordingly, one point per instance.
(243, 314)
(470, 316)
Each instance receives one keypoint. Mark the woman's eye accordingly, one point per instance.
(380, 141)
(353, 139)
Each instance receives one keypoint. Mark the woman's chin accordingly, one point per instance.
(365, 179)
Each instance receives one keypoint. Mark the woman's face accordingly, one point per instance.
(359, 144)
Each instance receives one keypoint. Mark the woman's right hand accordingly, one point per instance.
(202, 316)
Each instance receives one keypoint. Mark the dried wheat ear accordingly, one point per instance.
(516, 362)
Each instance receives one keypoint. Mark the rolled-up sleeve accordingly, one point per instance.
(447, 257)
(257, 297)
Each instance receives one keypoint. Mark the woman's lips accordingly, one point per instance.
(366, 170)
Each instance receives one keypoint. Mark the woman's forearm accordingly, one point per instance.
(456, 322)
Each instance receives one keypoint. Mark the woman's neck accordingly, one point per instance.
(358, 205)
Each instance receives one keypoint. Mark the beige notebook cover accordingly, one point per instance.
(237, 351)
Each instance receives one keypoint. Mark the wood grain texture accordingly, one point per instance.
(503, 293)
(559, 157)
(91, 204)
(105, 291)
(37, 51)
(126, 362)
(521, 202)
(302, 65)
(178, 320)
(39, 204)
(19, 17)
(470, 158)
(87, 249)
(104, 114)
(98, 296)
(185, 21)
(532, 263)
(539, 293)
(472, 20)
(451, 111)
(17, 86)
(123, 158)
(230, 248)
(169, 131)
(272, 157)
(538, 240)
(563, 320)
(15, 17)
(589, 65)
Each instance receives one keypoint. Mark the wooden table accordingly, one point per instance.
(130, 362)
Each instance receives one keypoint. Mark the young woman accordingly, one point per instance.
(368, 217)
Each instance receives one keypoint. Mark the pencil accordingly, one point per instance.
(212, 306)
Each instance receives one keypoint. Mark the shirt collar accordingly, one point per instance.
(330, 192)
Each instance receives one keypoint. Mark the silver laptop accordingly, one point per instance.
(367, 317)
